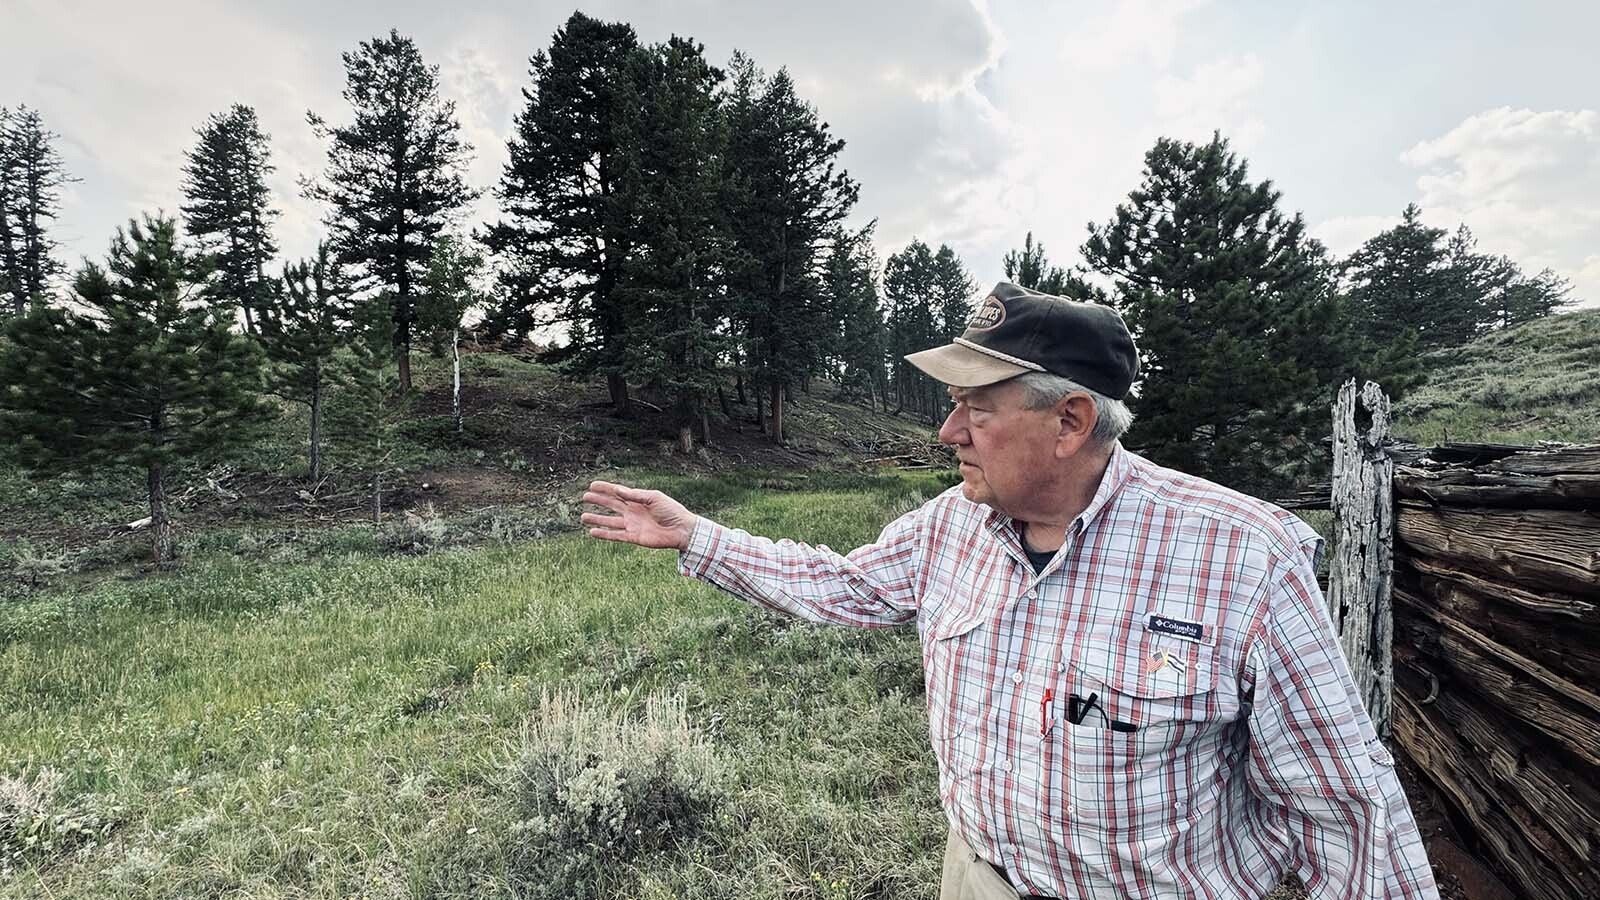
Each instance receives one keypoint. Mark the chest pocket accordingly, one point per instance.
(1144, 762)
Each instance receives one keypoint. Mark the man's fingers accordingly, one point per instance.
(609, 501)
(603, 521)
(606, 534)
(605, 489)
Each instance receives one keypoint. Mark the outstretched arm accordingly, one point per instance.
(872, 586)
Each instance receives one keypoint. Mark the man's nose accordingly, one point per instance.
(954, 429)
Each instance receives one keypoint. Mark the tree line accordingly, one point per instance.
(682, 225)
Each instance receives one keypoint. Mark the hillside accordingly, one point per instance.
(1536, 382)
(531, 439)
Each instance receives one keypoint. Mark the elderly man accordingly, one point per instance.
(1133, 686)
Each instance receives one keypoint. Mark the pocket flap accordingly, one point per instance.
(949, 618)
(1149, 667)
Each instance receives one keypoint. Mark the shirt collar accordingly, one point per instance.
(1119, 470)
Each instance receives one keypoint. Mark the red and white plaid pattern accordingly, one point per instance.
(1252, 754)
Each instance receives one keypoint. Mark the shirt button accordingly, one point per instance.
(1071, 809)
(1033, 595)
(1011, 849)
(1016, 677)
(1005, 766)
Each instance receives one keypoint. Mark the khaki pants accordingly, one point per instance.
(967, 877)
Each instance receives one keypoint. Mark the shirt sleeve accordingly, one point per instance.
(871, 587)
(1315, 755)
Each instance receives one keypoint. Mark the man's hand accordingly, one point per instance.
(646, 518)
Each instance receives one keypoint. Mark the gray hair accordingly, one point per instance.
(1042, 390)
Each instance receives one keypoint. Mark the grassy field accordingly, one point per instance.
(1536, 382)
(316, 707)
(358, 726)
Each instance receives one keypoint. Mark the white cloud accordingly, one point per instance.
(1526, 182)
(1128, 33)
(1344, 234)
(1216, 96)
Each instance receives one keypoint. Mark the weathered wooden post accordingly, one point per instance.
(1361, 572)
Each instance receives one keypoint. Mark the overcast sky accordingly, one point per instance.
(967, 123)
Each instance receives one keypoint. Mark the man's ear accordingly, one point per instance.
(1077, 414)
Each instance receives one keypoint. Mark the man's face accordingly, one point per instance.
(1006, 451)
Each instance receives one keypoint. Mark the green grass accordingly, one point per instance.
(1536, 382)
(348, 726)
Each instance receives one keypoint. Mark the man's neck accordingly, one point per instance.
(1046, 529)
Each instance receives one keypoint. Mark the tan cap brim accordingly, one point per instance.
(964, 367)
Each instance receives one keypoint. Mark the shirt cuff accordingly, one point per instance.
(707, 538)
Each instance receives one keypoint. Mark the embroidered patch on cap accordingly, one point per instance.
(990, 312)
(1178, 628)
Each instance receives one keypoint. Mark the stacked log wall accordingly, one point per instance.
(1497, 656)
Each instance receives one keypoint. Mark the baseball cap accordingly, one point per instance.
(1015, 331)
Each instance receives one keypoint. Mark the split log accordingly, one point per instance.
(1317, 496)
(1552, 548)
(1572, 652)
(1559, 610)
(1583, 460)
(1520, 762)
(1541, 866)
(1518, 687)
(1469, 487)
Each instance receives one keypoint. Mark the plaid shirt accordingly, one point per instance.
(1228, 743)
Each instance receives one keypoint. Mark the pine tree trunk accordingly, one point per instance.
(738, 385)
(705, 428)
(455, 396)
(377, 498)
(777, 413)
(872, 394)
(618, 386)
(722, 399)
(686, 437)
(761, 417)
(316, 427)
(160, 522)
(249, 323)
(404, 357)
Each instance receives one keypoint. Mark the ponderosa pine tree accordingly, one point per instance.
(142, 378)
(449, 291)
(1235, 316)
(851, 285)
(366, 421)
(953, 289)
(395, 175)
(31, 176)
(784, 198)
(1029, 268)
(1512, 297)
(563, 238)
(302, 326)
(672, 280)
(911, 292)
(1400, 288)
(228, 209)
(1414, 287)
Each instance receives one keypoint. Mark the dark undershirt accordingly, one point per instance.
(1037, 558)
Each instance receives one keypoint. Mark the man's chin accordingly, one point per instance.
(972, 492)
